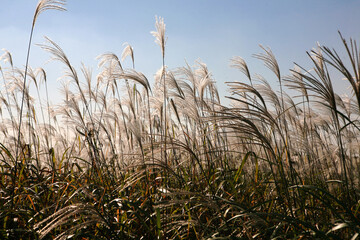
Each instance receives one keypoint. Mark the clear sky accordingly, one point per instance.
(211, 30)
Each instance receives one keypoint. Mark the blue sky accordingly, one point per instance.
(211, 30)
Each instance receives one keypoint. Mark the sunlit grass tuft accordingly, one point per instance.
(120, 158)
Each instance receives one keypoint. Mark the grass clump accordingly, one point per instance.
(120, 158)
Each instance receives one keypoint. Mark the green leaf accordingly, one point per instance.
(158, 223)
(240, 169)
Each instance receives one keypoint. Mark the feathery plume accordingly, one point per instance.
(269, 60)
(159, 34)
(239, 63)
(6, 56)
(128, 51)
(135, 76)
(44, 5)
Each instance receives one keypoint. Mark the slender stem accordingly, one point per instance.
(165, 120)
(23, 92)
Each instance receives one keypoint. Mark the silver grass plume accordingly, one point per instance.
(159, 34)
(128, 51)
(108, 58)
(44, 5)
(269, 60)
(135, 76)
(239, 63)
(6, 56)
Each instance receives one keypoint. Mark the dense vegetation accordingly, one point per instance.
(121, 159)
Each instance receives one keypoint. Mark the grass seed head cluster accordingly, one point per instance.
(120, 158)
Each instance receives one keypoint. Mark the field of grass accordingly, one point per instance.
(120, 158)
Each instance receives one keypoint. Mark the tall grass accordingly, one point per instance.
(120, 158)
